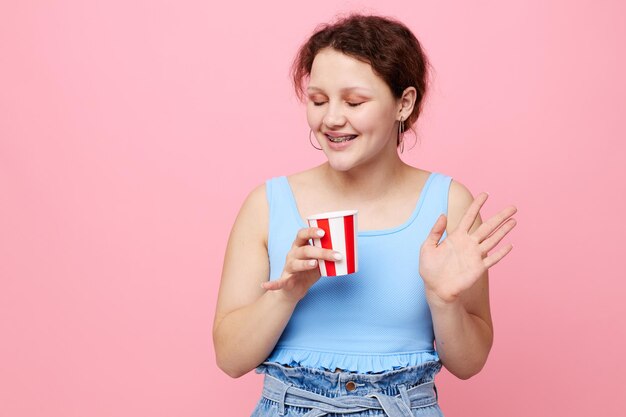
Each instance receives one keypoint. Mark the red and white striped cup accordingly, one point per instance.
(341, 229)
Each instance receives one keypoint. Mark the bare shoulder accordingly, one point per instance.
(246, 263)
(459, 195)
(459, 199)
(257, 197)
(254, 212)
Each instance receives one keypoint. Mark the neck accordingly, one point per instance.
(367, 182)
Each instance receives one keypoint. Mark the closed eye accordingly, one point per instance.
(349, 104)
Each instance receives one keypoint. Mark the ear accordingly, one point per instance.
(407, 102)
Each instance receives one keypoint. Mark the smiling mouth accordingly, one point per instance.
(341, 138)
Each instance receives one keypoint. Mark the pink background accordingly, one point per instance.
(131, 132)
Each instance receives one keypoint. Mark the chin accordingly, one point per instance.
(341, 164)
(341, 168)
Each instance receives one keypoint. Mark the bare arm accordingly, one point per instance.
(248, 320)
(244, 338)
(458, 294)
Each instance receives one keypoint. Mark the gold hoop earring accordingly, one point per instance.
(311, 142)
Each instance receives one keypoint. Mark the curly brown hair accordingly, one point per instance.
(386, 44)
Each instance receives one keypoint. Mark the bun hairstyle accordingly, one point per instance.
(386, 44)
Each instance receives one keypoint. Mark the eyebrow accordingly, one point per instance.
(313, 88)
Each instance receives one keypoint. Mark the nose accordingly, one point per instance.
(334, 115)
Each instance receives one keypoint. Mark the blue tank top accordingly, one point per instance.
(374, 320)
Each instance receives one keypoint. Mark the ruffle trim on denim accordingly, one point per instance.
(353, 362)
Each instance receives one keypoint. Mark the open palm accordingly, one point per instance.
(462, 258)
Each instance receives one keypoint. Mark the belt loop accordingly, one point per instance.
(436, 393)
(404, 395)
(283, 393)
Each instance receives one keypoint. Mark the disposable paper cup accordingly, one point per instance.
(341, 229)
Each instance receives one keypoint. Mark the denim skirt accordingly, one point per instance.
(312, 392)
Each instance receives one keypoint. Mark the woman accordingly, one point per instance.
(359, 344)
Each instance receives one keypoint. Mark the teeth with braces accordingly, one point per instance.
(341, 138)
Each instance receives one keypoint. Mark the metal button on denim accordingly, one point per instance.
(350, 386)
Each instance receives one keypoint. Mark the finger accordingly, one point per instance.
(315, 252)
(494, 258)
(303, 236)
(493, 223)
(437, 231)
(470, 215)
(493, 240)
(301, 265)
(273, 285)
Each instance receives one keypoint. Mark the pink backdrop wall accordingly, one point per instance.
(131, 131)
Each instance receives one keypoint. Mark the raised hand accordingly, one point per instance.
(462, 258)
(301, 271)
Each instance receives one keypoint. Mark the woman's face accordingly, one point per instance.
(351, 111)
